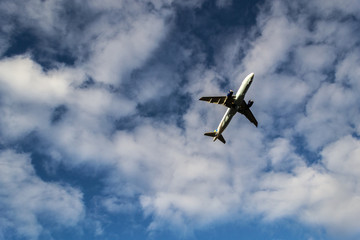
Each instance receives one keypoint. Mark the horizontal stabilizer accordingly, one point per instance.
(210, 134)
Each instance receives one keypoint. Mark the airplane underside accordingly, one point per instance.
(234, 104)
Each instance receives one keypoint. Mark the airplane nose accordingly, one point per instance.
(252, 75)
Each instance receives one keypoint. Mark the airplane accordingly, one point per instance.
(235, 104)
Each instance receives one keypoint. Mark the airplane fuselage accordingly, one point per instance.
(230, 112)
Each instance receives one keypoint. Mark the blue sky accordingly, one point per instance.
(101, 130)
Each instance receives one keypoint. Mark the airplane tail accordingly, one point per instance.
(210, 134)
(213, 134)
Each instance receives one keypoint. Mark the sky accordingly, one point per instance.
(101, 130)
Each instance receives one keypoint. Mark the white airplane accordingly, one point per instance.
(235, 104)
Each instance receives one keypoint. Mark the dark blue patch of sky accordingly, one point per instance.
(210, 25)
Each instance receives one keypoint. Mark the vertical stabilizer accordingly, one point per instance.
(222, 139)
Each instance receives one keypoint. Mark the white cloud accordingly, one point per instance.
(282, 155)
(347, 73)
(41, 13)
(279, 36)
(180, 177)
(335, 33)
(30, 95)
(176, 176)
(27, 96)
(26, 200)
(313, 194)
(322, 195)
(315, 58)
(126, 49)
(21, 73)
(303, 55)
(342, 157)
(329, 115)
(327, 8)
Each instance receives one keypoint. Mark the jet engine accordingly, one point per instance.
(228, 99)
(250, 103)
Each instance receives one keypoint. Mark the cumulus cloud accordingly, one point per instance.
(27, 201)
(279, 35)
(296, 95)
(306, 86)
(118, 52)
(29, 97)
(330, 108)
(330, 101)
(321, 195)
(183, 179)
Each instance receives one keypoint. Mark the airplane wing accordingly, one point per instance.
(245, 110)
(248, 114)
(217, 100)
(222, 100)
